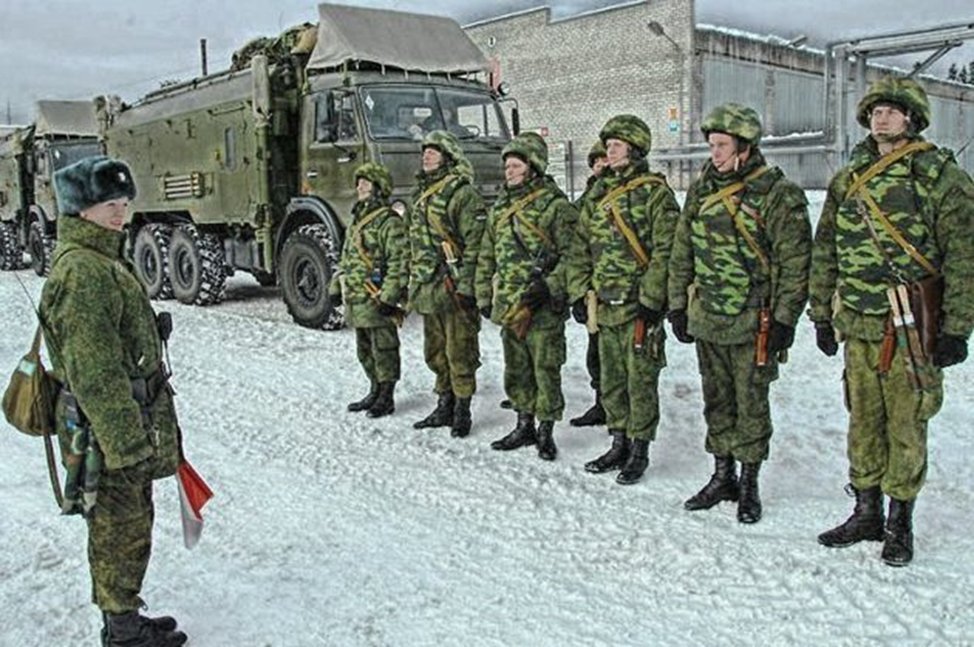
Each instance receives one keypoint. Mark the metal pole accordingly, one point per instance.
(203, 54)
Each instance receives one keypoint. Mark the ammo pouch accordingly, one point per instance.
(154, 395)
(926, 302)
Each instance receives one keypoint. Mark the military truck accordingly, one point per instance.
(62, 133)
(251, 169)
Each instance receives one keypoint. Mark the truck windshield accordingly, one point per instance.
(67, 154)
(398, 112)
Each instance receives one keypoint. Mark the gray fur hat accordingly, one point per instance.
(91, 181)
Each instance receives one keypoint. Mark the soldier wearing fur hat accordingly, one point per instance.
(520, 285)
(620, 250)
(738, 282)
(446, 222)
(371, 282)
(897, 217)
(116, 405)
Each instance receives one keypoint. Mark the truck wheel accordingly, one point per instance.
(196, 266)
(11, 255)
(150, 256)
(41, 247)
(308, 258)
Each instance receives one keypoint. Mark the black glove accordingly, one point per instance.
(949, 350)
(466, 301)
(536, 295)
(678, 321)
(387, 310)
(336, 299)
(485, 312)
(650, 316)
(825, 338)
(580, 311)
(781, 337)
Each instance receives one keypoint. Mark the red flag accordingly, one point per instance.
(193, 495)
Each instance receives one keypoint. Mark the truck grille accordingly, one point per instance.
(177, 187)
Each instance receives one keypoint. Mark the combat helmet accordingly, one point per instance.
(597, 151)
(906, 93)
(444, 142)
(378, 175)
(734, 119)
(630, 129)
(530, 147)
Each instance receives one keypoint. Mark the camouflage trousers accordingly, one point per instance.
(592, 361)
(120, 542)
(378, 352)
(887, 441)
(532, 370)
(451, 345)
(630, 379)
(735, 400)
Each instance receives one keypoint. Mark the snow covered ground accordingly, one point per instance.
(329, 528)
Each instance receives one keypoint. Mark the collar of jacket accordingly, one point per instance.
(866, 152)
(533, 184)
(367, 206)
(427, 179)
(629, 171)
(716, 180)
(76, 230)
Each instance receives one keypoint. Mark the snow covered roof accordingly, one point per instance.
(406, 41)
(65, 118)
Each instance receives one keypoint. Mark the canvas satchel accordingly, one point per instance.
(28, 402)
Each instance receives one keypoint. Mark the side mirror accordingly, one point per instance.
(516, 121)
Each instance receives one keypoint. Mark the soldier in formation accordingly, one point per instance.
(595, 415)
(620, 252)
(737, 285)
(371, 282)
(446, 223)
(896, 220)
(115, 416)
(521, 287)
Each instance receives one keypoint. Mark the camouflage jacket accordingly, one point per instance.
(528, 234)
(602, 259)
(713, 261)
(374, 255)
(103, 334)
(929, 199)
(445, 205)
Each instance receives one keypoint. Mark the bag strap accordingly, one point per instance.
(894, 233)
(431, 217)
(642, 258)
(514, 211)
(35, 347)
(357, 235)
(734, 207)
(859, 183)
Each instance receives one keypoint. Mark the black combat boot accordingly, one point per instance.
(461, 418)
(722, 486)
(520, 436)
(132, 630)
(614, 458)
(546, 441)
(442, 415)
(898, 547)
(384, 403)
(638, 461)
(367, 401)
(865, 524)
(593, 417)
(749, 506)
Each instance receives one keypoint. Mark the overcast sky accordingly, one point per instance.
(75, 49)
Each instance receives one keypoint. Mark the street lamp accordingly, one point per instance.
(657, 30)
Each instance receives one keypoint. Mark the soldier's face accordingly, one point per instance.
(723, 151)
(364, 188)
(110, 214)
(599, 165)
(515, 171)
(616, 153)
(887, 121)
(432, 159)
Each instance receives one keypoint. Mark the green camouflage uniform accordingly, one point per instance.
(528, 234)
(929, 199)
(102, 330)
(446, 202)
(730, 285)
(374, 254)
(592, 350)
(602, 260)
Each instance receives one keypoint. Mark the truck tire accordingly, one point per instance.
(150, 256)
(41, 248)
(197, 266)
(308, 258)
(11, 255)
